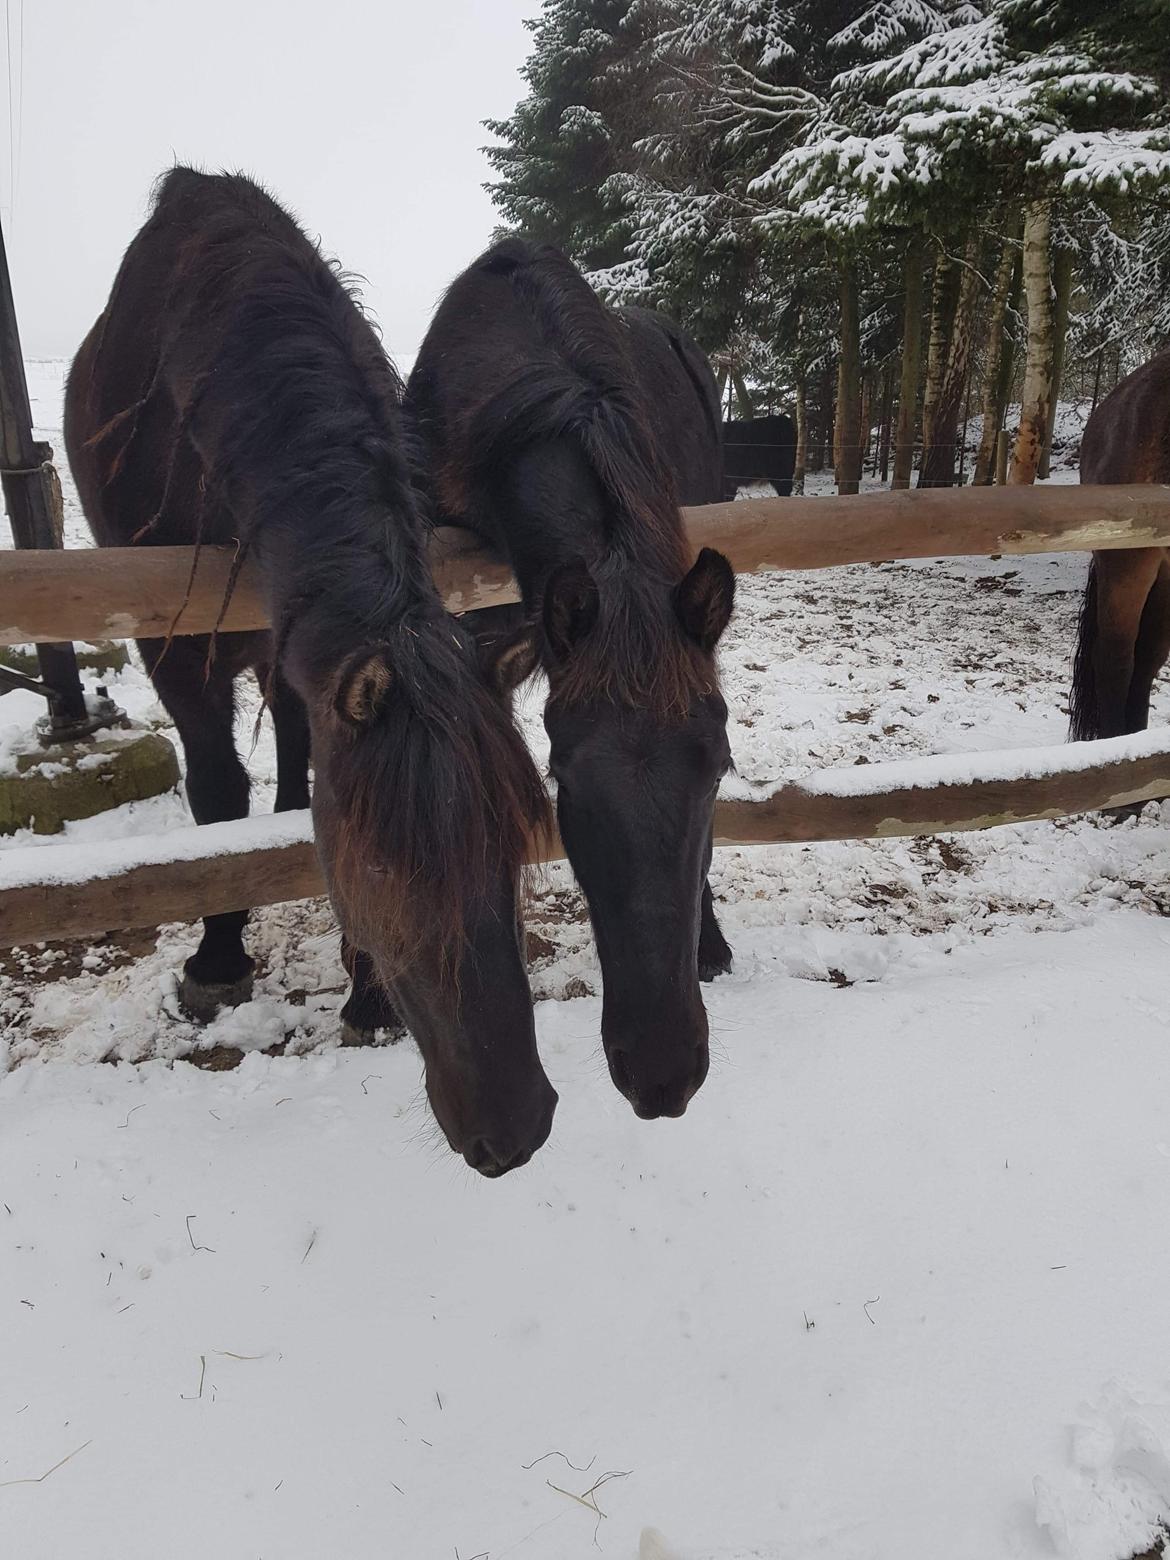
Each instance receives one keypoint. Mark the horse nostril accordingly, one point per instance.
(492, 1162)
(477, 1153)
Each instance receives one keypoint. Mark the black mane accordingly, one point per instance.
(550, 363)
(585, 385)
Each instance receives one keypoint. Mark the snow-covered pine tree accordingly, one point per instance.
(960, 117)
(591, 81)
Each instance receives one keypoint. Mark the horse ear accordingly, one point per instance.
(362, 687)
(507, 661)
(571, 605)
(704, 597)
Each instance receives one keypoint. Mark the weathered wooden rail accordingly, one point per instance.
(49, 892)
(121, 593)
(57, 892)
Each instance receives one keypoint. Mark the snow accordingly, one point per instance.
(894, 1285)
(851, 1304)
(107, 858)
(922, 774)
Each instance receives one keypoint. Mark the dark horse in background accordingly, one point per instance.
(759, 449)
(232, 392)
(539, 431)
(1124, 635)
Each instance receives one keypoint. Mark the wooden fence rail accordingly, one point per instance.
(120, 593)
(50, 892)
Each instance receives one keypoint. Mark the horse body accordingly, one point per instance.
(1123, 638)
(233, 392)
(759, 449)
(535, 420)
(682, 402)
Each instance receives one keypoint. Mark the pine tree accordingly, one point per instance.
(591, 81)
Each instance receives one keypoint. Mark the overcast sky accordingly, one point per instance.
(363, 116)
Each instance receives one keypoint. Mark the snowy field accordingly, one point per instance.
(894, 1287)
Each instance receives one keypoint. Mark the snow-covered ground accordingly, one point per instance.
(894, 1286)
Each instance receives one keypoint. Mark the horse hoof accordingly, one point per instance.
(202, 1000)
(352, 1035)
(715, 962)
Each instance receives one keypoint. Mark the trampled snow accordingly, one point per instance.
(894, 1286)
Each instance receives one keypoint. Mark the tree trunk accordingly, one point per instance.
(911, 364)
(1002, 451)
(847, 434)
(1037, 395)
(1097, 380)
(1008, 360)
(1062, 276)
(801, 456)
(942, 310)
(883, 454)
(743, 400)
(999, 345)
(822, 421)
(938, 459)
(866, 420)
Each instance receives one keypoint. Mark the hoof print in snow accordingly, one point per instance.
(652, 1546)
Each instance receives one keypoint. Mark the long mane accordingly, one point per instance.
(582, 384)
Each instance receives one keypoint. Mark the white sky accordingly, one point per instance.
(363, 116)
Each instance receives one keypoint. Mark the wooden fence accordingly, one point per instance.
(144, 592)
(121, 593)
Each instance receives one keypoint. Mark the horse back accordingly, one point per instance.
(683, 402)
(759, 449)
(1127, 438)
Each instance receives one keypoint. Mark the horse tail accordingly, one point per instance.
(1084, 723)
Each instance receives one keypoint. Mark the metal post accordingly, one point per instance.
(27, 476)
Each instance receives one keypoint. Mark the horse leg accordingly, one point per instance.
(1153, 648)
(368, 1009)
(219, 973)
(1124, 582)
(714, 950)
(291, 725)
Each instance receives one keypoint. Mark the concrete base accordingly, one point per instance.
(50, 786)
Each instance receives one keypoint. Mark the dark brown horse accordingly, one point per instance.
(233, 392)
(1124, 635)
(540, 435)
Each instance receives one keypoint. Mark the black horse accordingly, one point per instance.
(1123, 637)
(233, 392)
(682, 403)
(759, 449)
(539, 433)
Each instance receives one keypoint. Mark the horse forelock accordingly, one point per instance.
(436, 798)
(635, 655)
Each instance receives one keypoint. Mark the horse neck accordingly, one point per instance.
(547, 507)
(340, 576)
